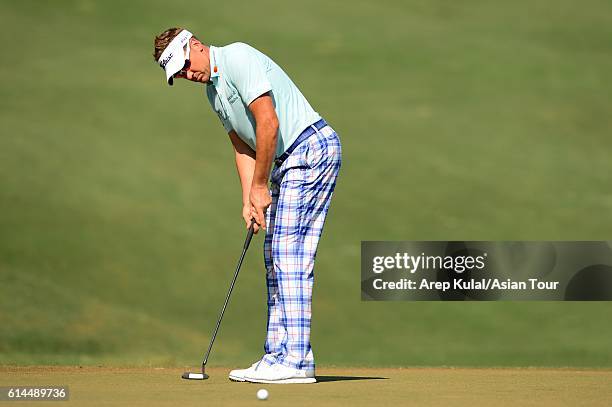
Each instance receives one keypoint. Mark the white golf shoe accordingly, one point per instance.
(279, 374)
(237, 375)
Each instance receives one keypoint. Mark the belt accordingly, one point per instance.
(310, 130)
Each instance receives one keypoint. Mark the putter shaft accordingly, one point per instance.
(229, 293)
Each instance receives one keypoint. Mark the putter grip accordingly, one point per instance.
(247, 242)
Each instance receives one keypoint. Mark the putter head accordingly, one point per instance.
(195, 376)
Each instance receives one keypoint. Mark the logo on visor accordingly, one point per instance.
(165, 61)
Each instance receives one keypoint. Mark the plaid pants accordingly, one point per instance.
(301, 190)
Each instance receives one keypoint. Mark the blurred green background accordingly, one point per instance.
(120, 207)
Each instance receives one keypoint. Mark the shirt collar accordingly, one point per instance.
(214, 67)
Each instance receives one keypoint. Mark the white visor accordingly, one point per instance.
(174, 56)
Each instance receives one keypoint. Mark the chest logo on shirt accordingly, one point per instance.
(232, 96)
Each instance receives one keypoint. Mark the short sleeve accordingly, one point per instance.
(247, 73)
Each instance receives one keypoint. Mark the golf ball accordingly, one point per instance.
(262, 394)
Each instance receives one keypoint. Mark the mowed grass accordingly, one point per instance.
(335, 387)
(120, 207)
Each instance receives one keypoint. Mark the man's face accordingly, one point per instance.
(197, 69)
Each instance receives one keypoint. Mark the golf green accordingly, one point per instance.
(336, 386)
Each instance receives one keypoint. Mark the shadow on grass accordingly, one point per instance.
(322, 379)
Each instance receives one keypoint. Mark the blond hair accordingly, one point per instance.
(162, 40)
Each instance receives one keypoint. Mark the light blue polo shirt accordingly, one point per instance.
(239, 74)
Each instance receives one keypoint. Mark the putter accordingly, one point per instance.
(203, 375)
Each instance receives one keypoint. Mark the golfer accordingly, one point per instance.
(270, 123)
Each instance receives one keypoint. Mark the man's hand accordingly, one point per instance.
(260, 200)
(246, 215)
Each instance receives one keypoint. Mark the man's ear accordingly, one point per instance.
(195, 44)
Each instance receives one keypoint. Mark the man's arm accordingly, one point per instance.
(266, 129)
(245, 164)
